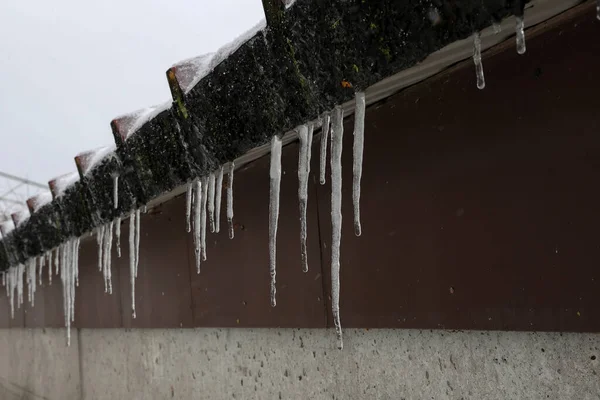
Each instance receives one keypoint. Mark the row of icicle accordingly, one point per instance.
(66, 262)
(65, 259)
(203, 197)
(520, 40)
(332, 125)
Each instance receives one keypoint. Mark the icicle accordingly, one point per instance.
(10, 289)
(69, 274)
(132, 258)
(49, 261)
(56, 258)
(109, 238)
(77, 243)
(598, 10)
(305, 134)
(116, 191)
(137, 241)
(41, 262)
(20, 272)
(117, 224)
(337, 134)
(188, 206)
(12, 286)
(218, 192)
(497, 28)
(107, 257)
(203, 217)
(100, 242)
(477, 60)
(31, 281)
(520, 30)
(197, 219)
(324, 138)
(275, 177)
(211, 202)
(230, 201)
(359, 144)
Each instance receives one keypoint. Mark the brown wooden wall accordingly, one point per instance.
(481, 210)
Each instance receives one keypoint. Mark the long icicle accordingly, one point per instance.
(520, 31)
(477, 60)
(31, 280)
(109, 236)
(323, 154)
(359, 144)
(337, 135)
(230, 201)
(20, 272)
(211, 202)
(275, 178)
(132, 260)
(117, 224)
(41, 262)
(203, 218)
(56, 261)
(305, 134)
(116, 191)
(100, 242)
(218, 193)
(137, 240)
(49, 262)
(188, 207)
(197, 218)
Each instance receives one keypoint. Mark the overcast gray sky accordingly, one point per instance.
(67, 67)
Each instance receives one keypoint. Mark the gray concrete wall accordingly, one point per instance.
(297, 364)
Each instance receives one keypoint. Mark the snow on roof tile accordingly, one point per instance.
(20, 216)
(128, 124)
(191, 71)
(34, 203)
(7, 227)
(87, 160)
(59, 184)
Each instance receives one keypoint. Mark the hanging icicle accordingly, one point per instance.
(56, 265)
(100, 242)
(337, 135)
(20, 273)
(31, 281)
(230, 201)
(477, 60)
(107, 257)
(132, 260)
(188, 206)
(218, 193)
(137, 241)
(211, 202)
(359, 144)
(41, 262)
(203, 217)
(520, 30)
(275, 178)
(197, 219)
(116, 191)
(305, 134)
(117, 224)
(598, 10)
(69, 275)
(323, 154)
(49, 261)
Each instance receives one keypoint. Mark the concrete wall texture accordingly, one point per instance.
(297, 364)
